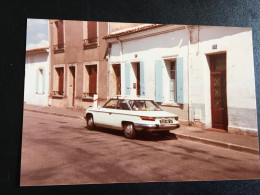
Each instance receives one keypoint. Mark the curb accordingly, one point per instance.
(57, 114)
(219, 144)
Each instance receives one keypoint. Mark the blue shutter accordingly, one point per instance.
(43, 80)
(158, 81)
(179, 78)
(142, 79)
(37, 80)
(127, 78)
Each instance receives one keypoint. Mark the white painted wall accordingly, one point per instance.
(237, 43)
(149, 49)
(33, 63)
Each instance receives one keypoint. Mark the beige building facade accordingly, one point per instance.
(78, 64)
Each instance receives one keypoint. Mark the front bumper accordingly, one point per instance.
(155, 127)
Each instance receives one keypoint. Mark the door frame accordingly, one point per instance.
(208, 104)
(68, 84)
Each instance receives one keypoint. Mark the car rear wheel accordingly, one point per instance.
(90, 122)
(129, 131)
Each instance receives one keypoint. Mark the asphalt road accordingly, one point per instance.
(60, 150)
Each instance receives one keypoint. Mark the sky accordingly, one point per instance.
(37, 33)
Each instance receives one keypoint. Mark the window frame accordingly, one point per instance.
(175, 80)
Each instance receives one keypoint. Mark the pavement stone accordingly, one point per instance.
(242, 143)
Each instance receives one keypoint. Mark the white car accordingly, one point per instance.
(131, 114)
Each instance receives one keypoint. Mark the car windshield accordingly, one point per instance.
(144, 105)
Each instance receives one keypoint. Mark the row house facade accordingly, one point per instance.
(36, 80)
(204, 74)
(78, 64)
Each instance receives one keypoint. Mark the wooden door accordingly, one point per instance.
(138, 79)
(218, 91)
(72, 85)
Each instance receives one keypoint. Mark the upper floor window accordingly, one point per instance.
(90, 34)
(58, 37)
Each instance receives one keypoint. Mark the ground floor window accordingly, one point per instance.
(90, 80)
(172, 72)
(40, 81)
(59, 81)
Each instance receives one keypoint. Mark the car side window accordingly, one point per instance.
(111, 104)
(122, 105)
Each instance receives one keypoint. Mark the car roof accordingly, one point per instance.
(130, 98)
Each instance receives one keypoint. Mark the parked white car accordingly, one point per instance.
(131, 114)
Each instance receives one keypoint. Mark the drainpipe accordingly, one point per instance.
(121, 58)
(108, 70)
(189, 99)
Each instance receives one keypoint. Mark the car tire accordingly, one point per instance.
(129, 131)
(164, 133)
(90, 122)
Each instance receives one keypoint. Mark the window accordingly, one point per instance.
(111, 104)
(90, 80)
(40, 81)
(59, 37)
(90, 35)
(123, 105)
(172, 73)
(59, 75)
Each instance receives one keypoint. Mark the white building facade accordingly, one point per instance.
(203, 74)
(36, 83)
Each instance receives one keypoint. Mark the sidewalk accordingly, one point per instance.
(242, 143)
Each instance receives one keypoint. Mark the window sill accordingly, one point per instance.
(40, 93)
(90, 46)
(61, 50)
(170, 104)
(58, 96)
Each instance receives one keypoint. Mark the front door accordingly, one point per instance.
(218, 91)
(71, 85)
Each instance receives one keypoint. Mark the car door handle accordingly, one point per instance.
(110, 113)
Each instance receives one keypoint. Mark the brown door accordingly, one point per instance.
(218, 91)
(60, 85)
(118, 79)
(92, 71)
(72, 85)
(138, 79)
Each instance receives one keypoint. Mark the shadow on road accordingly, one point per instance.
(143, 136)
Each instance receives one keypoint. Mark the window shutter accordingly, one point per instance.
(142, 79)
(37, 81)
(158, 81)
(43, 81)
(179, 79)
(127, 78)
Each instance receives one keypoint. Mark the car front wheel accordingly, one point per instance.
(90, 122)
(129, 131)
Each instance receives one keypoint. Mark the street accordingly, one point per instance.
(61, 150)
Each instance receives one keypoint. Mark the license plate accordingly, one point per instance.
(166, 121)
